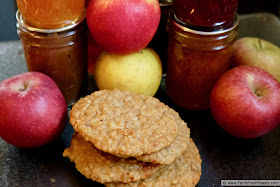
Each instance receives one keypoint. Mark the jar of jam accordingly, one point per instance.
(59, 53)
(87, 2)
(196, 60)
(51, 14)
(160, 40)
(205, 13)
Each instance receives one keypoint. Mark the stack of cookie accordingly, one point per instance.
(126, 139)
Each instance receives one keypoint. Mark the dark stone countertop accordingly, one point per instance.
(223, 156)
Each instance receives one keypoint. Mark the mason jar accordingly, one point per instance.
(205, 13)
(59, 53)
(196, 60)
(51, 14)
(160, 40)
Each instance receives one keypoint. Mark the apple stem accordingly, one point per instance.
(23, 88)
(258, 93)
(260, 43)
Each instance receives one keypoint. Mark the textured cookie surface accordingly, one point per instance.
(103, 167)
(124, 124)
(185, 171)
(170, 153)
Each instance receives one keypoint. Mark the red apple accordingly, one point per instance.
(123, 26)
(245, 102)
(257, 52)
(33, 110)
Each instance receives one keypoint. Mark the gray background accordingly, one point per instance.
(7, 20)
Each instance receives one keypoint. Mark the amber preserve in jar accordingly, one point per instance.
(196, 60)
(60, 53)
(51, 14)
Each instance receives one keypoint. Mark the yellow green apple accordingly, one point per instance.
(139, 72)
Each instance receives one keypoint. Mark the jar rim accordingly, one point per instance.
(22, 23)
(175, 21)
(164, 3)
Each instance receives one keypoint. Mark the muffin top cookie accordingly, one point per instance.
(184, 171)
(103, 167)
(124, 124)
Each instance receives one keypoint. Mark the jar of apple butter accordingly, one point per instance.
(60, 53)
(196, 60)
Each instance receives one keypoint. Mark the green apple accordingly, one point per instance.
(257, 52)
(139, 72)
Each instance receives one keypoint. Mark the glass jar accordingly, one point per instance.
(160, 40)
(59, 53)
(196, 60)
(205, 13)
(51, 14)
(165, 2)
(87, 2)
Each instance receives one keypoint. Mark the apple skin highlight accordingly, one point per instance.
(33, 110)
(245, 102)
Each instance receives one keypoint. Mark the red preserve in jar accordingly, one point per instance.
(196, 60)
(205, 13)
(160, 40)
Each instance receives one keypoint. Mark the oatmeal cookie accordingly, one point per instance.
(103, 167)
(185, 171)
(124, 124)
(170, 153)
